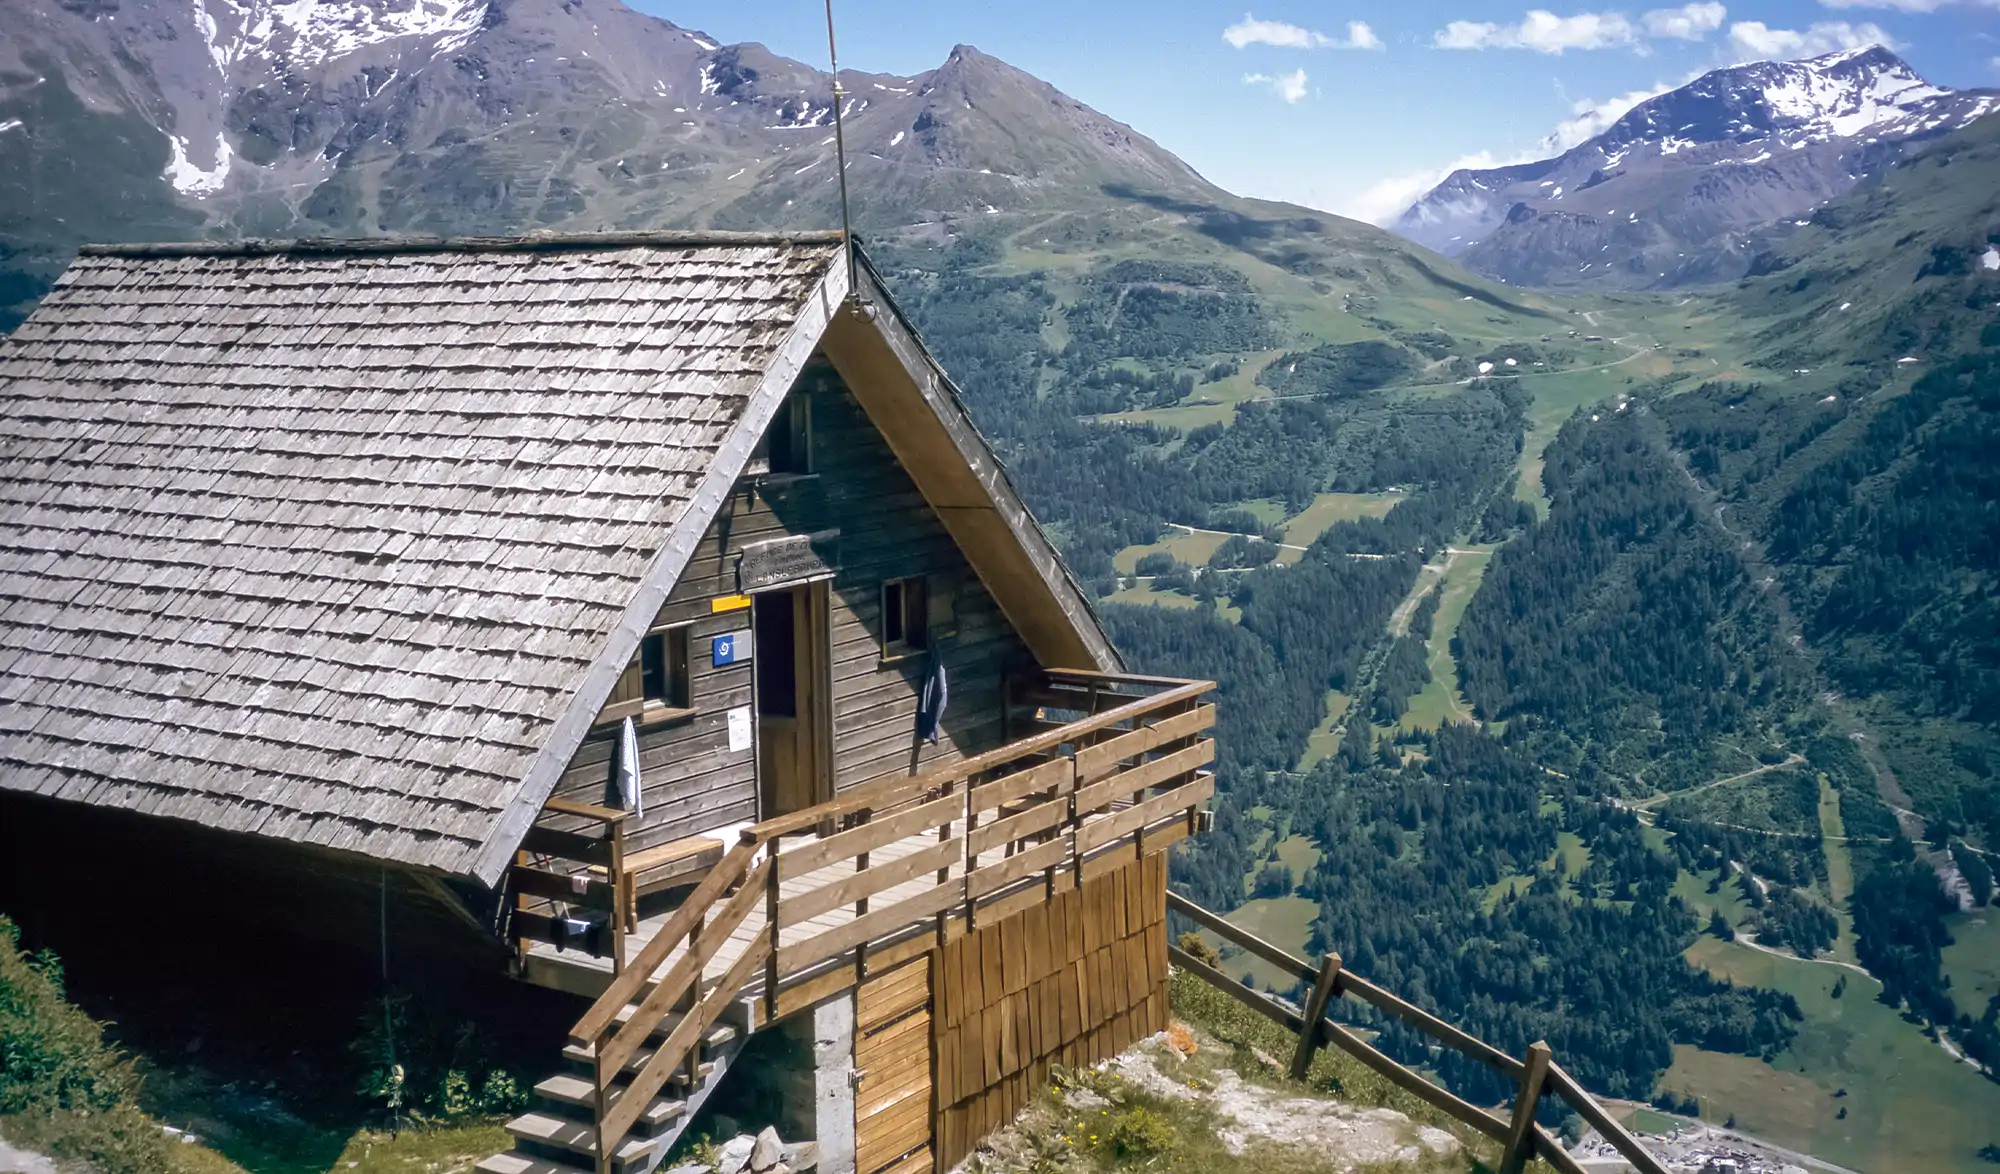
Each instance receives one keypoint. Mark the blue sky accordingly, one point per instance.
(1357, 107)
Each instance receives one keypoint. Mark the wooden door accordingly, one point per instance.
(892, 1053)
(794, 698)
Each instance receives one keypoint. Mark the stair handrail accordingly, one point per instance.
(745, 873)
(1536, 1076)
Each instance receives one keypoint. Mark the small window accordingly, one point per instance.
(786, 446)
(663, 669)
(905, 616)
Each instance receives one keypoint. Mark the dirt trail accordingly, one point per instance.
(1792, 759)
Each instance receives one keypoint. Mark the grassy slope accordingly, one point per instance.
(1909, 1105)
(1972, 961)
(1439, 701)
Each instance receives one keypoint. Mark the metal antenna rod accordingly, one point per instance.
(840, 154)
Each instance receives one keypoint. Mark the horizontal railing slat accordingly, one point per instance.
(1478, 1049)
(1040, 817)
(1092, 762)
(1146, 774)
(866, 883)
(1092, 836)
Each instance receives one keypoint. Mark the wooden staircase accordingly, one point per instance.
(558, 1135)
(806, 903)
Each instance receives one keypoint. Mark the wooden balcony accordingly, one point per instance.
(1108, 769)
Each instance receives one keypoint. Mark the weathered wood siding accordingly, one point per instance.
(1074, 981)
(693, 782)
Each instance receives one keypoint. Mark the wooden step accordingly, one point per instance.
(513, 1163)
(577, 1137)
(579, 1093)
(718, 1035)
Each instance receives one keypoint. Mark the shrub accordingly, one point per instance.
(418, 1062)
(62, 1088)
(1139, 1133)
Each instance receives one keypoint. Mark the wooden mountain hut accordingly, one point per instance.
(641, 613)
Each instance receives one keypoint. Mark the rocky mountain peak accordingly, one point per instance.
(1669, 192)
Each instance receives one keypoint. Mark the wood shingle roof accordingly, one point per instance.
(319, 542)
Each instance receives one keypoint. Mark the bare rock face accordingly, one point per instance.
(1688, 186)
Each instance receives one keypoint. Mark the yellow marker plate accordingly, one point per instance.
(728, 603)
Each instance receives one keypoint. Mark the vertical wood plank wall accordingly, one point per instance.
(892, 1094)
(1073, 981)
(693, 782)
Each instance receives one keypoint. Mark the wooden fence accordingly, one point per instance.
(960, 847)
(1535, 1075)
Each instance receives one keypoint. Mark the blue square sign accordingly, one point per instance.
(731, 648)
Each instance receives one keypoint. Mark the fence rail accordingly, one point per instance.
(975, 840)
(1535, 1076)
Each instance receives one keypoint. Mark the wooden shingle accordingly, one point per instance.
(318, 542)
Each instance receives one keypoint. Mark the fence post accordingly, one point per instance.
(1322, 993)
(1521, 1133)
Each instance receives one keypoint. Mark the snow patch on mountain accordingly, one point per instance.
(1787, 135)
(313, 32)
(191, 178)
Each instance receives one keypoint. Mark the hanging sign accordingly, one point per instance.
(739, 729)
(779, 561)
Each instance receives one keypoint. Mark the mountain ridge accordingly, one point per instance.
(154, 119)
(1675, 191)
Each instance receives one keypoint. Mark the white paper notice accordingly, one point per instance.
(739, 728)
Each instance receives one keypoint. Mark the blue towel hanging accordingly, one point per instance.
(931, 702)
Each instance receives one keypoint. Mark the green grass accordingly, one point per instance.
(1147, 597)
(1309, 523)
(1909, 1105)
(1574, 852)
(1285, 922)
(1299, 854)
(1211, 403)
(1972, 961)
(1325, 737)
(1439, 701)
(1692, 888)
(1839, 868)
(1514, 885)
(1193, 549)
(1646, 1120)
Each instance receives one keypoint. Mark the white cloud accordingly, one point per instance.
(1541, 31)
(1386, 199)
(1690, 22)
(1755, 39)
(1591, 117)
(1289, 86)
(1251, 31)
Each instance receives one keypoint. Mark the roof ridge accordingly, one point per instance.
(531, 242)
